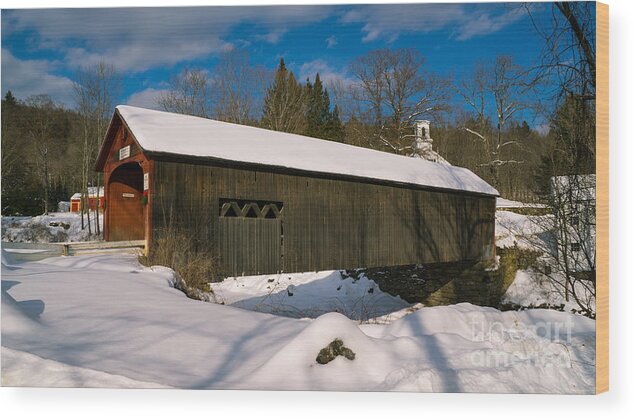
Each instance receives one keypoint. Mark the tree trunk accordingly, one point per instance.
(579, 34)
(97, 229)
(46, 188)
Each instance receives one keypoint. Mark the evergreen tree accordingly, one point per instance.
(320, 121)
(334, 127)
(284, 103)
(317, 108)
(9, 99)
(21, 192)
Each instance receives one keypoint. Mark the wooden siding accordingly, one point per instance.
(327, 223)
(250, 245)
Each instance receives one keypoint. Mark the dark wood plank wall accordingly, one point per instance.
(250, 245)
(327, 223)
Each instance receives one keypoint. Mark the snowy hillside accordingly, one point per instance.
(107, 321)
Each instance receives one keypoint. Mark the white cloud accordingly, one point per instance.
(140, 56)
(272, 37)
(485, 23)
(32, 77)
(387, 22)
(331, 41)
(137, 39)
(327, 73)
(146, 98)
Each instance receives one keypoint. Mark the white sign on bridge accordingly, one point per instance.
(124, 152)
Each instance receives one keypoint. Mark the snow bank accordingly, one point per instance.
(296, 361)
(23, 316)
(23, 369)
(308, 295)
(471, 349)
(7, 259)
(110, 314)
(530, 290)
(155, 131)
(526, 232)
(101, 316)
(460, 348)
(53, 227)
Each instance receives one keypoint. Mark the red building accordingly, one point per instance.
(94, 199)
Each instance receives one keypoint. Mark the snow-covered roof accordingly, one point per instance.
(510, 204)
(165, 132)
(92, 193)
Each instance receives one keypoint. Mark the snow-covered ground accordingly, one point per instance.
(25, 369)
(53, 227)
(526, 232)
(104, 320)
(531, 288)
(310, 295)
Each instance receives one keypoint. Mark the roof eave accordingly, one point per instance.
(109, 137)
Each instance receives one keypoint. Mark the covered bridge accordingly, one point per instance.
(266, 202)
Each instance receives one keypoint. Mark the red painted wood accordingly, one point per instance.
(125, 218)
(126, 209)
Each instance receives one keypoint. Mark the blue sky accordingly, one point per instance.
(42, 49)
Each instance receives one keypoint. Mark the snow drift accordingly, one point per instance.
(104, 320)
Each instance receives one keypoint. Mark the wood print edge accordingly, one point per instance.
(602, 169)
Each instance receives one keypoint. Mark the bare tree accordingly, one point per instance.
(569, 64)
(239, 87)
(573, 200)
(506, 86)
(189, 93)
(341, 95)
(95, 90)
(569, 53)
(82, 89)
(10, 148)
(565, 239)
(393, 92)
